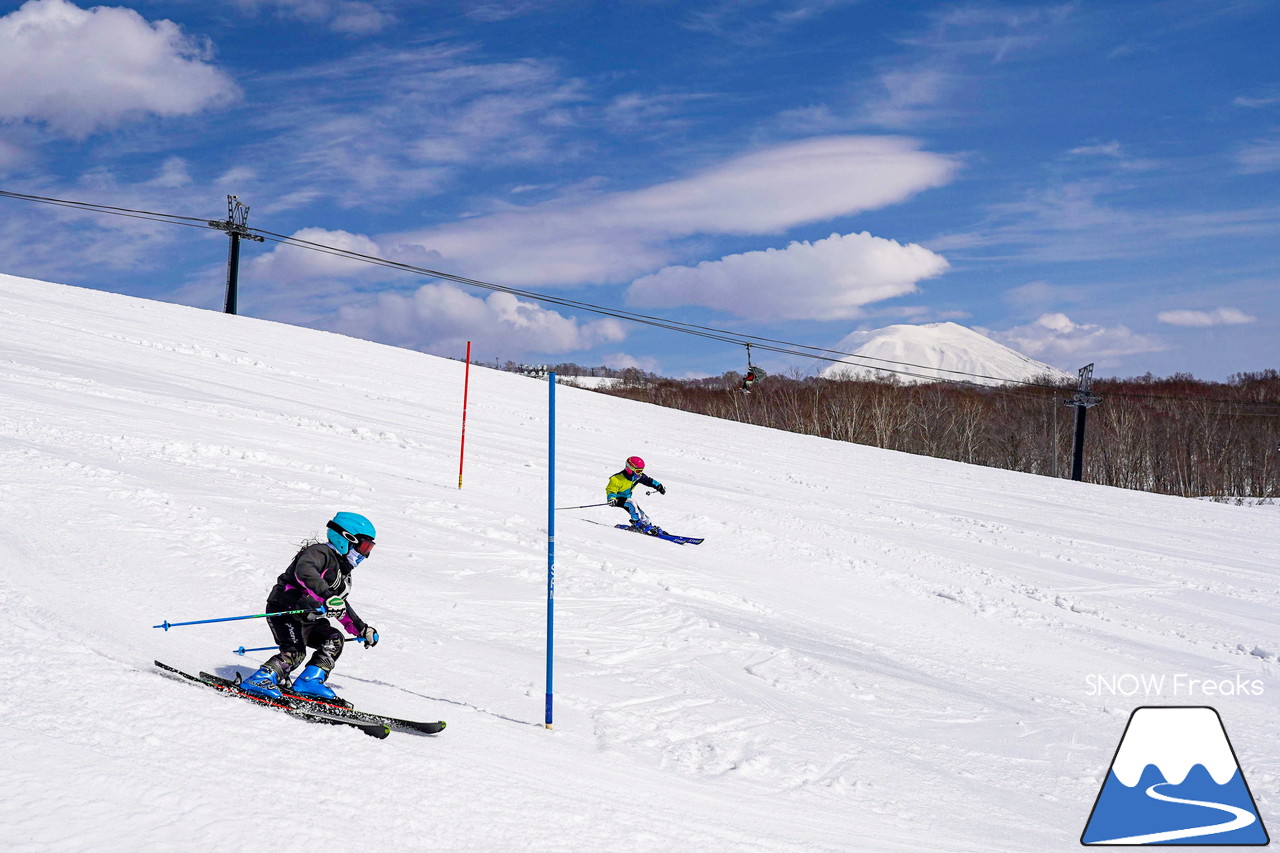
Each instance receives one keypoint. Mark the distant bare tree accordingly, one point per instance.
(1177, 435)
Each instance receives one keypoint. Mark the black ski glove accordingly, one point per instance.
(662, 490)
(369, 636)
(618, 502)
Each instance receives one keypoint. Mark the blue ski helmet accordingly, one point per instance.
(349, 528)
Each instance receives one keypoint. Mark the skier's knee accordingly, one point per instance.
(326, 656)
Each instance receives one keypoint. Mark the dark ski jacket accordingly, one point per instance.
(316, 574)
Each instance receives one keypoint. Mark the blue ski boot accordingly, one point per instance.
(311, 684)
(264, 683)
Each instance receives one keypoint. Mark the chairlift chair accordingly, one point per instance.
(754, 374)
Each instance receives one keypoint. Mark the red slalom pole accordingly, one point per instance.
(466, 386)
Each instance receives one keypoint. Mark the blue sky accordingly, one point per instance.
(1086, 182)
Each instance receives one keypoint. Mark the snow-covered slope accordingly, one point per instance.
(590, 381)
(934, 351)
(871, 652)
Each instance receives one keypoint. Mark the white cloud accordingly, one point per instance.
(1090, 220)
(754, 23)
(824, 280)
(994, 32)
(788, 185)
(1217, 317)
(441, 318)
(636, 113)
(1032, 293)
(953, 56)
(351, 17)
(622, 360)
(1105, 149)
(400, 122)
(1114, 157)
(1056, 339)
(79, 71)
(910, 96)
(359, 19)
(1252, 102)
(173, 174)
(1262, 155)
(11, 156)
(289, 265)
(607, 237)
(329, 291)
(502, 10)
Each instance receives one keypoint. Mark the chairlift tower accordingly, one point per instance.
(236, 226)
(1082, 401)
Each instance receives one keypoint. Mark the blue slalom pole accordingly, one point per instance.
(167, 625)
(551, 533)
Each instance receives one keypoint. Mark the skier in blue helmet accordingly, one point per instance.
(319, 576)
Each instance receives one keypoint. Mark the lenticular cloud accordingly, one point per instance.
(613, 237)
(826, 279)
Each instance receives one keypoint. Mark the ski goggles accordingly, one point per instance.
(360, 543)
(363, 545)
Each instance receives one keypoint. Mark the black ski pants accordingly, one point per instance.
(294, 635)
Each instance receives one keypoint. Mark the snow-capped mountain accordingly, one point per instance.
(935, 351)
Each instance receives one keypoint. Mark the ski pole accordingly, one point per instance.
(584, 506)
(167, 625)
(240, 651)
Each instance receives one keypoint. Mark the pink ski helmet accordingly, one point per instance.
(636, 464)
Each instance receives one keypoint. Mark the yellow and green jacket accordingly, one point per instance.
(621, 484)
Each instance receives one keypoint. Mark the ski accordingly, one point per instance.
(344, 711)
(293, 709)
(670, 537)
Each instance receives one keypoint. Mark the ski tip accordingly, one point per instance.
(427, 728)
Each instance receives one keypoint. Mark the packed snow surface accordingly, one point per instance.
(872, 651)
(936, 351)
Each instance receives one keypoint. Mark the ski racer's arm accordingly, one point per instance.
(646, 480)
(353, 623)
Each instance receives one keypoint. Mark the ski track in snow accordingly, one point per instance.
(871, 651)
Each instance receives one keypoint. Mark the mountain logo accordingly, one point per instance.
(1175, 780)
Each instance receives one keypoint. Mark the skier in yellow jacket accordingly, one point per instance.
(618, 493)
